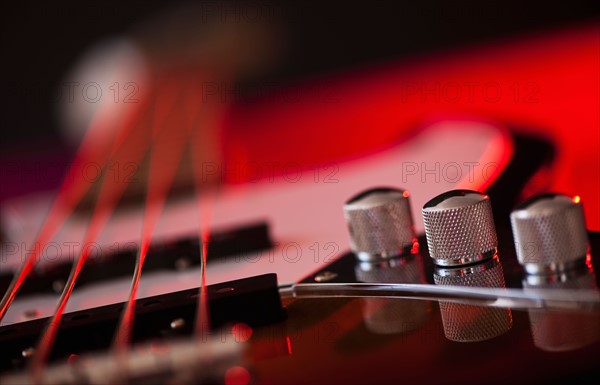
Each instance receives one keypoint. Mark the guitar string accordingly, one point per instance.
(106, 201)
(513, 298)
(93, 151)
(131, 151)
(204, 204)
(166, 152)
(194, 107)
(156, 196)
(206, 198)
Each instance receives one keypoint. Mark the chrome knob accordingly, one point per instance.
(459, 227)
(380, 224)
(550, 234)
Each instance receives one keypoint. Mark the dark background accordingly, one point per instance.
(41, 41)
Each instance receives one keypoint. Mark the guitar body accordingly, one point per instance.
(268, 334)
(303, 210)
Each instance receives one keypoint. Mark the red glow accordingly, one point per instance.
(241, 332)
(561, 68)
(289, 344)
(576, 199)
(415, 247)
(588, 262)
(237, 375)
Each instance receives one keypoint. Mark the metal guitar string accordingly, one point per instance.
(109, 195)
(166, 151)
(205, 211)
(547, 299)
(169, 147)
(132, 149)
(73, 187)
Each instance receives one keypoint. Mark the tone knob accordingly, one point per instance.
(380, 224)
(550, 234)
(459, 227)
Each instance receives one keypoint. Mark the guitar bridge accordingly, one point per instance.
(253, 301)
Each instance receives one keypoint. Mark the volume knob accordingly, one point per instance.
(459, 227)
(550, 234)
(380, 224)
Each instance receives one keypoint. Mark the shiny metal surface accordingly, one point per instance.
(459, 227)
(552, 268)
(550, 234)
(493, 297)
(563, 331)
(380, 223)
(407, 269)
(390, 316)
(466, 272)
(467, 323)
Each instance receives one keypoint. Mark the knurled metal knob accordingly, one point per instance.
(549, 233)
(459, 227)
(380, 224)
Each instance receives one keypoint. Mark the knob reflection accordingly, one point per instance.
(392, 316)
(561, 331)
(469, 323)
